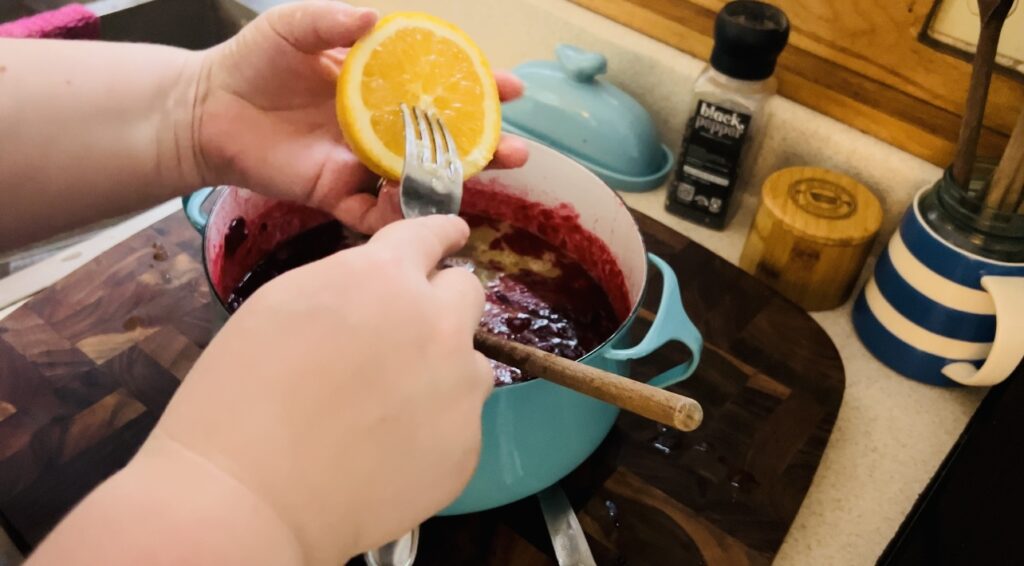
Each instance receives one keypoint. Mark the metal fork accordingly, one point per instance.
(431, 184)
(432, 174)
(400, 552)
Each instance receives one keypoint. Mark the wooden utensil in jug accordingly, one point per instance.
(993, 14)
(1004, 192)
(670, 409)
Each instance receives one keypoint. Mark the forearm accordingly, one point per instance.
(90, 130)
(168, 507)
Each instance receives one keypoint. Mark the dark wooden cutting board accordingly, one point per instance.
(87, 366)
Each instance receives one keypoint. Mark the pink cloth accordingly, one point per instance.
(73, 21)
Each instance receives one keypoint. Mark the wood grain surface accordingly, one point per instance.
(858, 61)
(87, 366)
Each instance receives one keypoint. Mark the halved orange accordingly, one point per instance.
(424, 61)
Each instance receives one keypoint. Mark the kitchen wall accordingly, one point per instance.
(860, 61)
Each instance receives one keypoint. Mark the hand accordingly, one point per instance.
(346, 394)
(265, 116)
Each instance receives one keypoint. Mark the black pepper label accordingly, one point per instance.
(709, 163)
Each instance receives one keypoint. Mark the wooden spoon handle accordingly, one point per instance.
(993, 14)
(1014, 199)
(665, 407)
(1005, 186)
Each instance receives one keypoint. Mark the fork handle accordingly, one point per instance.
(399, 552)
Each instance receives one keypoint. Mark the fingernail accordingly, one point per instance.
(362, 11)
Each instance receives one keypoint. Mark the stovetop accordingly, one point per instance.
(970, 512)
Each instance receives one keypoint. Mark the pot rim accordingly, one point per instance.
(222, 191)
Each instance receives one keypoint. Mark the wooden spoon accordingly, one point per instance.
(993, 14)
(659, 405)
(1008, 180)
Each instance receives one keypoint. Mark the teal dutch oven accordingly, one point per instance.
(536, 432)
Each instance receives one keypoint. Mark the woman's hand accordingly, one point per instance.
(265, 114)
(341, 405)
(337, 409)
(347, 394)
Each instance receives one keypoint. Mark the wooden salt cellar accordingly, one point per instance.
(811, 235)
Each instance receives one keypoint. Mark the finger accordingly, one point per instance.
(460, 293)
(366, 213)
(337, 54)
(312, 27)
(341, 174)
(329, 70)
(423, 242)
(510, 87)
(486, 371)
(511, 153)
(331, 61)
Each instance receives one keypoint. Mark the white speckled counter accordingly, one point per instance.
(891, 433)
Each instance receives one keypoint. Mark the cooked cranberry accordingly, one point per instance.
(568, 314)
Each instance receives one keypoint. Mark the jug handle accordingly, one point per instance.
(1008, 345)
(193, 206)
(670, 323)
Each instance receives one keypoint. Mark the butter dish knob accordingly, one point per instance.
(580, 64)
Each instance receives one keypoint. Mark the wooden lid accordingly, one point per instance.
(822, 205)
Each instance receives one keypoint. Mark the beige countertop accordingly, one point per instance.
(891, 433)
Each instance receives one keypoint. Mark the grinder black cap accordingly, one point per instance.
(749, 36)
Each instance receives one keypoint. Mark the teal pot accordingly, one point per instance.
(536, 432)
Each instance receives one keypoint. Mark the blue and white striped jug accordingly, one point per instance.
(939, 314)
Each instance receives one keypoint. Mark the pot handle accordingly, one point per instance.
(670, 323)
(193, 205)
(1008, 346)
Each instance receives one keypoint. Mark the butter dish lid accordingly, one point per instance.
(568, 108)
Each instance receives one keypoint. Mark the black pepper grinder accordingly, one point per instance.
(724, 125)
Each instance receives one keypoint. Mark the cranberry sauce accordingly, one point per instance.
(558, 225)
(536, 293)
(306, 247)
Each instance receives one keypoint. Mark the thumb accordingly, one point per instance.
(365, 213)
(312, 27)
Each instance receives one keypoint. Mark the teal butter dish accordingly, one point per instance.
(568, 108)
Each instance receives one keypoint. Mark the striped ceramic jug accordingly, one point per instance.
(943, 307)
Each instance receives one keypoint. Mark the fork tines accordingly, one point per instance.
(428, 141)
